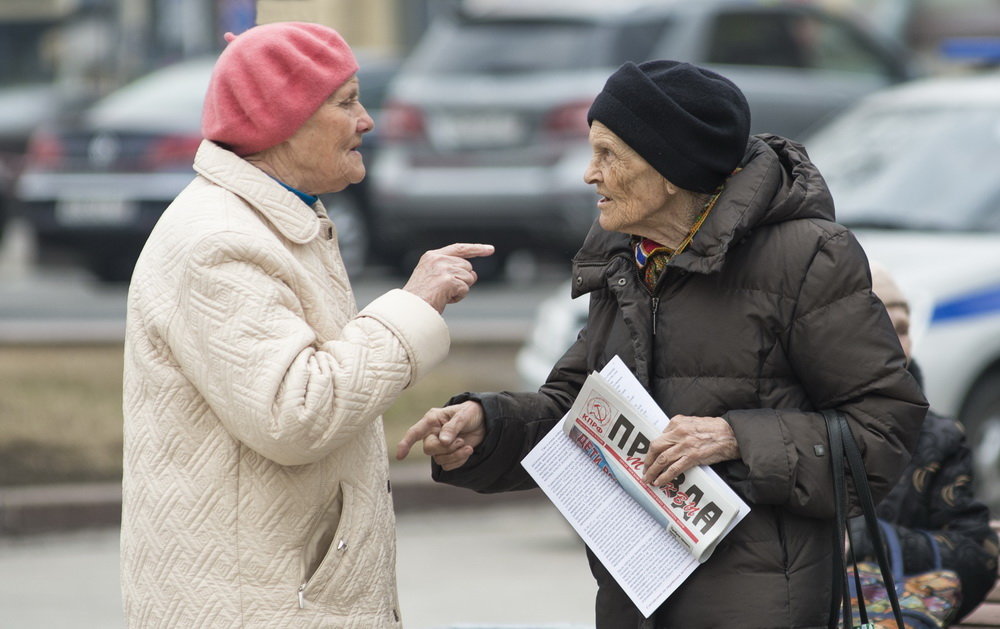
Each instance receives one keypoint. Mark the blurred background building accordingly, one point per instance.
(59, 52)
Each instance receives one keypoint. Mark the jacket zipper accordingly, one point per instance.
(341, 547)
(653, 301)
(656, 306)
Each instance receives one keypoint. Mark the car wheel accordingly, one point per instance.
(353, 236)
(981, 417)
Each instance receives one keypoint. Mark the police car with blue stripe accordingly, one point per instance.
(915, 173)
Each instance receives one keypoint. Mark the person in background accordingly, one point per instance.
(935, 492)
(716, 272)
(256, 487)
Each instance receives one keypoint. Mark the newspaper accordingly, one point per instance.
(696, 507)
(646, 560)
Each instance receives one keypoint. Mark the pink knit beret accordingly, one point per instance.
(269, 80)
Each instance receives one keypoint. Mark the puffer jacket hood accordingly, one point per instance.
(776, 183)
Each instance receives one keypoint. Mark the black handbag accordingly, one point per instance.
(844, 452)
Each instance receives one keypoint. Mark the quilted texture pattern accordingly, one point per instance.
(255, 471)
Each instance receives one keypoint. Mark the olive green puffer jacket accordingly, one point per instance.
(767, 317)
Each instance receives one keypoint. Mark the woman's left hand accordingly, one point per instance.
(688, 442)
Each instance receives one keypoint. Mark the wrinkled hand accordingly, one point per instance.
(450, 434)
(688, 442)
(444, 276)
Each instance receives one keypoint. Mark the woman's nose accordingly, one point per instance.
(365, 123)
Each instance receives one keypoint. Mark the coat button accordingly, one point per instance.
(622, 281)
(341, 545)
(579, 280)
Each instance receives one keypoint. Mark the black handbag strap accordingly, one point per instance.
(839, 577)
(843, 446)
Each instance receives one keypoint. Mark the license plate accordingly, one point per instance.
(95, 212)
(479, 130)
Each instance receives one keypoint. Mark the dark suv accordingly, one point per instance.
(95, 185)
(484, 135)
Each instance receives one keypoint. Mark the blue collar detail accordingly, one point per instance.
(308, 199)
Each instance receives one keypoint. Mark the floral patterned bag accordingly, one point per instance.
(928, 600)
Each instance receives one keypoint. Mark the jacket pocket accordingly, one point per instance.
(779, 521)
(330, 547)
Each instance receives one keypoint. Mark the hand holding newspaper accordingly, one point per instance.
(648, 543)
(696, 507)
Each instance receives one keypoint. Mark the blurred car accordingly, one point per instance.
(22, 108)
(915, 174)
(928, 26)
(95, 185)
(485, 130)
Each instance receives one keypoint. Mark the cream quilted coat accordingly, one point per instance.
(256, 488)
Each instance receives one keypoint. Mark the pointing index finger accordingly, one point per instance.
(417, 432)
(468, 250)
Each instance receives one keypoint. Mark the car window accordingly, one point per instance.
(919, 168)
(22, 49)
(170, 97)
(791, 41)
(525, 46)
(504, 47)
(635, 42)
(374, 82)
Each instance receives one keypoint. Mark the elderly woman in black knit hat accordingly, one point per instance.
(717, 273)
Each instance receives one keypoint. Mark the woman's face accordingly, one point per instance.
(899, 314)
(324, 150)
(634, 197)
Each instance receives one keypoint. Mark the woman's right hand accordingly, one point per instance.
(450, 434)
(444, 276)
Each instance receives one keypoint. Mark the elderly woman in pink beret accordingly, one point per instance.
(256, 486)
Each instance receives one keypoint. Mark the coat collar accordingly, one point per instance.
(275, 203)
(777, 182)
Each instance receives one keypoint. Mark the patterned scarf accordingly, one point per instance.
(651, 257)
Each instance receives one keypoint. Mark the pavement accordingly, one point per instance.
(49, 302)
(512, 566)
(465, 560)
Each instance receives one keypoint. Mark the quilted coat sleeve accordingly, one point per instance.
(844, 352)
(240, 336)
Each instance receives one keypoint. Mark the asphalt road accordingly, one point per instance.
(61, 304)
(511, 566)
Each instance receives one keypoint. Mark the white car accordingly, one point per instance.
(915, 173)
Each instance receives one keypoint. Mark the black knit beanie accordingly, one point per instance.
(689, 123)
